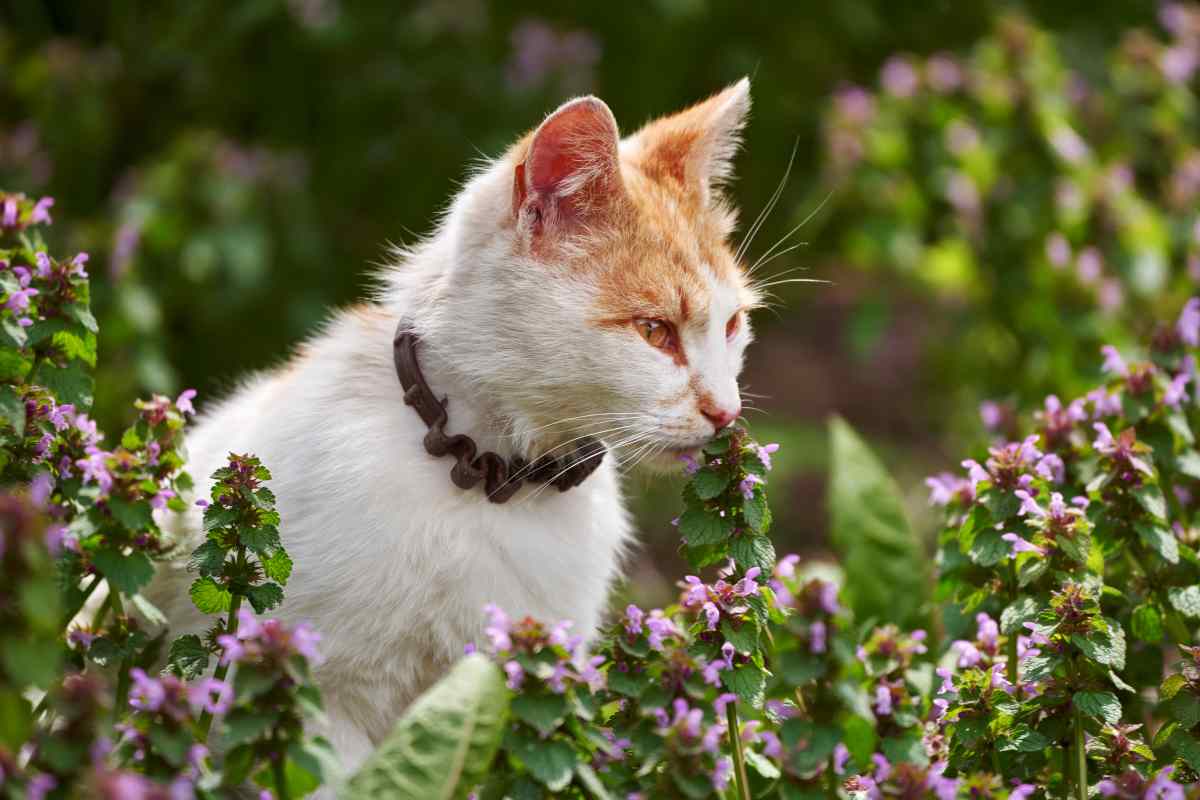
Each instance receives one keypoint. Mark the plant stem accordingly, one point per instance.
(1011, 666)
(231, 626)
(120, 701)
(1079, 753)
(91, 587)
(739, 759)
(281, 788)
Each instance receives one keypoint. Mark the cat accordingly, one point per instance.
(579, 285)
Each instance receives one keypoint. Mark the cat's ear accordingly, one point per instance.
(569, 175)
(696, 146)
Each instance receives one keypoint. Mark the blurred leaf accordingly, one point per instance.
(443, 745)
(883, 561)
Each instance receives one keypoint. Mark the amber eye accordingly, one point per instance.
(657, 333)
(732, 326)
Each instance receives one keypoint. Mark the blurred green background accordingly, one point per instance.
(235, 169)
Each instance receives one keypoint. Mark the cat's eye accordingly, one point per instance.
(731, 327)
(657, 333)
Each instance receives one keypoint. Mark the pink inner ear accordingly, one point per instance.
(572, 160)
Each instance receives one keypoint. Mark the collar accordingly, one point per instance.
(501, 477)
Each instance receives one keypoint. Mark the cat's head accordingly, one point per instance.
(619, 307)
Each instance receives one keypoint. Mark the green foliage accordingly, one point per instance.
(882, 557)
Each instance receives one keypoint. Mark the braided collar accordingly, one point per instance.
(502, 478)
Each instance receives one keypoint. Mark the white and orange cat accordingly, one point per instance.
(580, 284)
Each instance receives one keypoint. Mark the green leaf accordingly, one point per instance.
(753, 551)
(188, 657)
(709, 483)
(1185, 599)
(1023, 739)
(1158, 539)
(701, 527)
(278, 567)
(209, 596)
(208, 558)
(764, 766)
(757, 513)
(12, 409)
(860, 738)
(1171, 686)
(261, 540)
(798, 668)
(1150, 497)
(551, 762)
(1188, 462)
(988, 549)
(1146, 623)
(135, 516)
(1101, 705)
(264, 596)
(905, 750)
(746, 682)
(444, 744)
(1104, 647)
(544, 711)
(744, 638)
(591, 781)
(70, 384)
(246, 725)
(127, 573)
(1014, 617)
(883, 560)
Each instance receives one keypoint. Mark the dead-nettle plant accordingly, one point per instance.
(79, 528)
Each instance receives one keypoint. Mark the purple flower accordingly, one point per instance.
(841, 755)
(94, 469)
(721, 773)
(40, 489)
(883, 701)
(633, 619)
(690, 465)
(1188, 326)
(1163, 788)
(817, 637)
(712, 614)
(697, 591)
(727, 651)
(1178, 63)
(711, 672)
(39, 786)
(748, 585)
(516, 675)
(1104, 403)
(772, 747)
(723, 700)
(81, 637)
(968, 653)
(999, 681)
(943, 73)
(146, 694)
(827, 596)
(1113, 363)
(1058, 250)
(945, 487)
(660, 628)
(591, 675)
(1020, 545)
(184, 401)
(786, 566)
(497, 628)
(899, 78)
(747, 485)
(211, 695)
(41, 212)
(938, 708)
(1051, 468)
(1028, 504)
(61, 416)
(558, 634)
(159, 501)
(1068, 144)
(947, 676)
(1176, 391)
(9, 217)
(1089, 266)
(764, 453)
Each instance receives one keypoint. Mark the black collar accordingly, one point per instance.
(501, 477)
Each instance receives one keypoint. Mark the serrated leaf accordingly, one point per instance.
(1159, 540)
(1188, 748)
(264, 596)
(208, 558)
(260, 540)
(1185, 599)
(127, 573)
(1101, 705)
(882, 558)
(188, 657)
(1171, 686)
(1023, 739)
(544, 711)
(746, 681)
(988, 549)
(1150, 498)
(1146, 623)
(753, 551)
(1015, 615)
(1104, 647)
(70, 384)
(278, 567)
(444, 744)
(757, 513)
(860, 738)
(209, 597)
(743, 638)
(701, 527)
(709, 483)
(136, 516)
(552, 763)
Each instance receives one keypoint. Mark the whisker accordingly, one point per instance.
(803, 222)
(768, 208)
(521, 473)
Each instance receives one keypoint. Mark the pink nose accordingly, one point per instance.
(719, 417)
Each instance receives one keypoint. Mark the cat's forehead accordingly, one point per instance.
(668, 258)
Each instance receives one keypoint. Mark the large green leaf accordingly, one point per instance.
(885, 568)
(443, 745)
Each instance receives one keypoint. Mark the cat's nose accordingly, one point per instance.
(719, 416)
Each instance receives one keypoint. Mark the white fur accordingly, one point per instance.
(393, 562)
